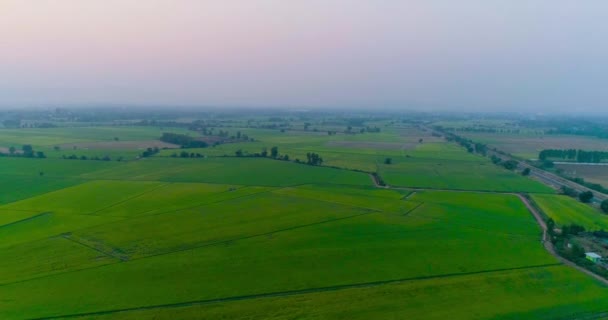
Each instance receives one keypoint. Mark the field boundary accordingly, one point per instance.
(69, 237)
(25, 219)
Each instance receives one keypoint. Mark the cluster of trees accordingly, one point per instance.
(27, 151)
(150, 152)
(566, 245)
(593, 186)
(581, 128)
(482, 130)
(313, 159)
(574, 155)
(584, 197)
(186, 154)
(185, 141)
(95, 158)
(274, 153)
(510, 164)
(464, 142)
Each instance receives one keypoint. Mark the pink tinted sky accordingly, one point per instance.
(415, 54)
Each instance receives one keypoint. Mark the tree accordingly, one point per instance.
(388, 161)
(57, 148)
(264, 152)
(604, 206)
(420, 140)
(28, 150)
(569, 192)
(40, 154)
(274, 152)
(586, 196)
(550, 226)
(313, 159)
(510, 164)
(239, 153)
(526, 172)
(495, 159)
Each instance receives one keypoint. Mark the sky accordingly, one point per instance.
(487, 55)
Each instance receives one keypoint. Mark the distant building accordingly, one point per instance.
(593, 257)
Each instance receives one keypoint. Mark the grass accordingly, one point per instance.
(286, 242)
(522, 293)
(565, 210)
(85, 198)
(19, 187)
(49, 137)
(480, 175)
(247, 171)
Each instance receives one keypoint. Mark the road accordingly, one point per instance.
(551, 179)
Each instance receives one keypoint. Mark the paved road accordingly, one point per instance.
(553, 180)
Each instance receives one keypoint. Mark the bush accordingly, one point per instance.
(604, 206)
(585, 197)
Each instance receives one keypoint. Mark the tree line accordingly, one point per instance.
(574, 155)
(27, 151)
(185, 141)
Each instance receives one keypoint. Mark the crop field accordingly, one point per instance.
(453, 174)
(200, 252)
(250, 171)
(591, 173)
(226, 237)
(527, 146)
(565, 210)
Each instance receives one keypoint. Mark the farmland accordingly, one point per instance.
(528, 145)
(242, 235)
(565, 210)
(591, 173)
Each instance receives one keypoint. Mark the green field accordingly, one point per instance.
(224, 237)
(565, 210)
(477, 175)
(201, 251)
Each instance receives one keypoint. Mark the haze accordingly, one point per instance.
(445, 55)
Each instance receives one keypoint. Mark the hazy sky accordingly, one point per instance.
(465, 54)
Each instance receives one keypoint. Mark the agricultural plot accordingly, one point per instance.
(527, 146)
(55, 168)
(244, 246)
(516, 294)
(459, 175)
(70, 135)
(248, 171)
(591, 173)
(19, 187)
(92, 197)
(565, 210)
(206, 225)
